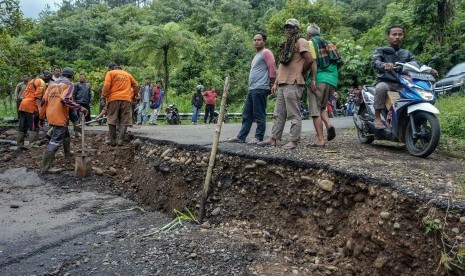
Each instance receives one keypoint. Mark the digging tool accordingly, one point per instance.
(211, 163)
(82, 166)
(96, 120)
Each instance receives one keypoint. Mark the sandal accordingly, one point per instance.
(289, 147)
(314, 145)
(331, 133)
(235, 140)
(266, 144)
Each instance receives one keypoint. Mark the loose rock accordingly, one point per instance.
(326, 185)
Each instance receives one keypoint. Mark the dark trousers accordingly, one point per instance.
(59, 133)
(86, 106)
(28, 121)
(254, 110)
(18, 103)
(209, 111)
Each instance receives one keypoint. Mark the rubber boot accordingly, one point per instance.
(122, 133)
(47, 160)
(20, 140)
(112, 129)
(67, 147)
(33, 139)
(77, 130)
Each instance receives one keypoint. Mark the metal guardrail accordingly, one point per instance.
(163, 116)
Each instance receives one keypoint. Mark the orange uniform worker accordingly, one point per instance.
(28, 111)
(119, 88)
(57, 102)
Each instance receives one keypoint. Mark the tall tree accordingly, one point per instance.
(163, 46)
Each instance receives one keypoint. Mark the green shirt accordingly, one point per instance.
(327, 75)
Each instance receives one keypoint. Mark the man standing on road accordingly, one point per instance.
(157, 92)
(29, 109)
(197, 103)
(56, 74)
(19, 91)
(119, 88)
(146, 95)
(57, 102)
(261, 78)
(294, 62)
(83, 94)
(210, 97)
(384, 63)
(322, 82)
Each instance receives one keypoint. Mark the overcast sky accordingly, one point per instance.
(32, 8)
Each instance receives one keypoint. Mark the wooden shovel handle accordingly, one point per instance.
(82, 132)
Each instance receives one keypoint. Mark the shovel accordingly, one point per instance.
(82, 167)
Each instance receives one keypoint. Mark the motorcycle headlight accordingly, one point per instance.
(459, 82)
(426, 95)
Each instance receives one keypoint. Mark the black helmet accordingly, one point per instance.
(67, 72)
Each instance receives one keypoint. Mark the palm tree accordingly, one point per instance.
(163, 46)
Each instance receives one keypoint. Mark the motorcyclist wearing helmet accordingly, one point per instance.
(383, 59)
(57, 102)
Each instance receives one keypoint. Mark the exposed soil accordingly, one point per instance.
(347, 209)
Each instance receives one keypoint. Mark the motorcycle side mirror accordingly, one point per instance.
(388, 51)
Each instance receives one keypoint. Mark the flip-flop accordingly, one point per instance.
(253, 141)
(313, 145)
(331, 133)
(288, 147)
(265, 144)
(235, 140)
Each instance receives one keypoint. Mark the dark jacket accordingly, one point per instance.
(383, 55)
(83, 93)
(197, 99)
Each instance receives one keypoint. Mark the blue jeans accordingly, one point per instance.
(254, 110)
(143, 112)
(195, 114)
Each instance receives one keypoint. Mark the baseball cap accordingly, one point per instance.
(292, 22)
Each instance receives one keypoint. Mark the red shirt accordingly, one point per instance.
(210, 97)
(156, 93)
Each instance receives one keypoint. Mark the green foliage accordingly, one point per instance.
(432, 225)
(451, 118)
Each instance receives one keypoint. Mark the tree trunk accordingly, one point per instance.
(167, 73)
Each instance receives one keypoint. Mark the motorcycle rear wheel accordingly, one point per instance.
(363, 138)
(361, 134)
(428, 133)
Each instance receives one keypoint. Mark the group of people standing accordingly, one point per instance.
(53, 97)
(198, 98)
(303, 63)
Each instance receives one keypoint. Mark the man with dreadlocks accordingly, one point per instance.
(294, 62)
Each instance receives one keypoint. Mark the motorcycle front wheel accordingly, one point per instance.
(427, 134)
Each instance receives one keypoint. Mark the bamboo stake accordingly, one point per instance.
(211, 163)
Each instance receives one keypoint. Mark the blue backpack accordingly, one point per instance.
(158, 102)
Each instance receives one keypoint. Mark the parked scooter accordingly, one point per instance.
(348, 108)
(216, 114)
(410, 116)
(172, 114)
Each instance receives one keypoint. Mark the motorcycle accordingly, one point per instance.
(304, 112)
(410, 116)
(172, 114)
(348, 108)
(216, 116)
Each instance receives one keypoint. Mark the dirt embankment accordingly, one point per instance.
(291, 215)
